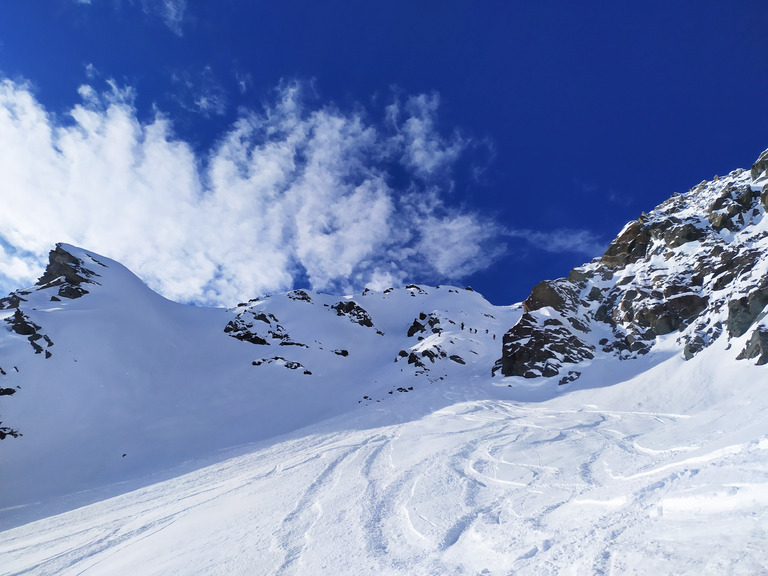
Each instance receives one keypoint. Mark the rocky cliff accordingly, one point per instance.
(695, 268)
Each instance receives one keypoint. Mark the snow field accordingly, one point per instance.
(570, 485)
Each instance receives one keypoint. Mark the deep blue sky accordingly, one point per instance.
(581, 115)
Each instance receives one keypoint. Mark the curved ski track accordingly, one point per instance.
(478, 488)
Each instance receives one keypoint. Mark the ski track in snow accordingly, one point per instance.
(485, 487)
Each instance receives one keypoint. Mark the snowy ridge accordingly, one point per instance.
(694, 267)
(124, 371)
(622, 431)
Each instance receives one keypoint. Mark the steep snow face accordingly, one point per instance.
(105, 381)
(693, 270)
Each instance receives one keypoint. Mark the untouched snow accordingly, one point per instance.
(648, 466)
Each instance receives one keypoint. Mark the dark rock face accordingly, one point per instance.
(13, 300)
(544, 294)
(23, 325)
(241, 330)
(743, 312)
(300, 295)
(6, 431)
(67, 272)
(539, 347)
(760, 167)
(425, 322)
(679, 235)
(673, 271)
(354, 312)
(630, 246)
(757, 347)
(244, 328)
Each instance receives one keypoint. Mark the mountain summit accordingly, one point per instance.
(690, 271)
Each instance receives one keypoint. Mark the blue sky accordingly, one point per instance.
(227, 149)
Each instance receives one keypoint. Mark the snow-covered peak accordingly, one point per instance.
(680, 277)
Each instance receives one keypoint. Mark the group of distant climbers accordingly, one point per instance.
(474, 330)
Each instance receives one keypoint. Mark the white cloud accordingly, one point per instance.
(425, 152)
(288, 192)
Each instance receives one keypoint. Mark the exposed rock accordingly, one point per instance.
(544, 294)
(239, 329)
(299, 295)
(693, 346)
(651, 282)
(63, 264)
(354, 312)
(630, 246)
(760, 167)
(570, 377)
(430, 320)
(23, 325)
(415, 289)
(720, 221)
(415, 328)
(744, 311)
(538, 347)
(6, 431)
(289, 364)
(679, 235)
(13, 300)
(757, 347)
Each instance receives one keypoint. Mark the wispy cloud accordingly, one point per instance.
(564, 240)
(422, 150)
(170, 11)
(290, 191)
(199, 91)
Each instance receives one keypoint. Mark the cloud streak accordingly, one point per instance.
(289, 192)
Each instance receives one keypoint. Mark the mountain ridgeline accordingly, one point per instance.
(693, 269)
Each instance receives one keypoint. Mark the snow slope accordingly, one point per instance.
(598, 480)
(135, 385)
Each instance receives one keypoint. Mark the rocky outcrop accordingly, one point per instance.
(6, 431)
(299, 295)
(744, 311)
(425, 323)
(760, 167)
(280, 361)
(539, 346)
(248, 326)
(23, 325)
(354, 312)
(68, 273)
(757, 347)
(628, 247)
(693, 269)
